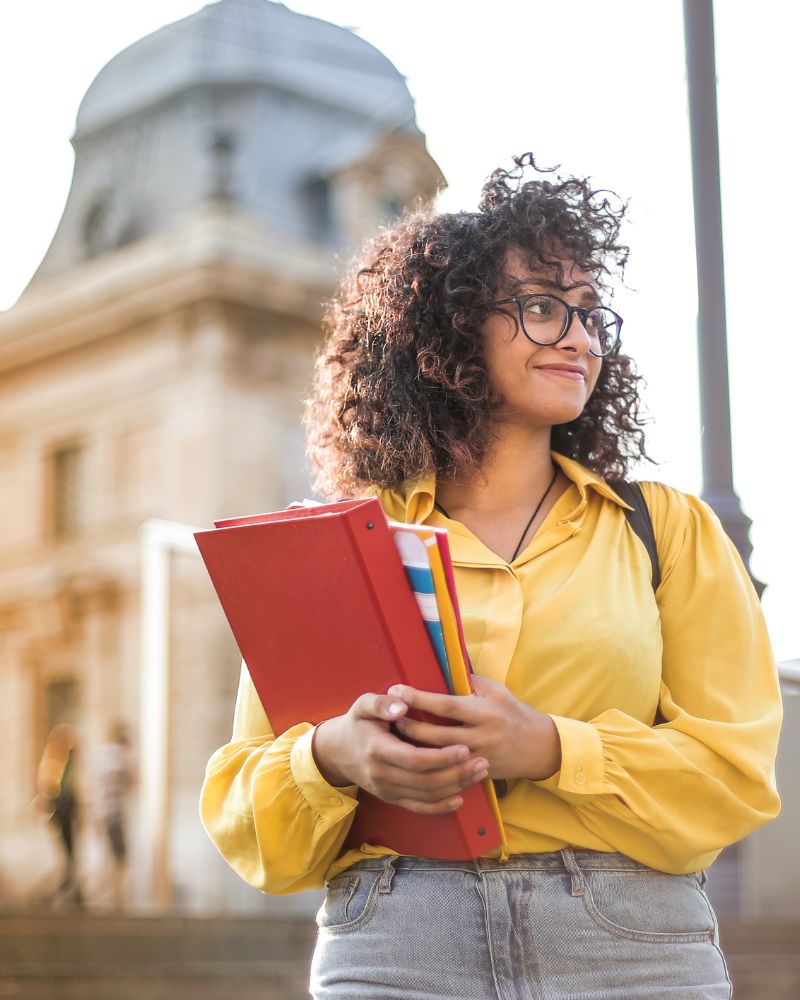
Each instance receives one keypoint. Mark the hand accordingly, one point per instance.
(359, 749)
(517, 740)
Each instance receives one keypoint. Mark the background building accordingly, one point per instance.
(155, 368)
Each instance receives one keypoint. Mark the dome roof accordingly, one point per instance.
(249, 41)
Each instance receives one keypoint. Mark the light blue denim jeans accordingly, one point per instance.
(571, 925)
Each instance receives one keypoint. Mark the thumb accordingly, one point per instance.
(381, 706)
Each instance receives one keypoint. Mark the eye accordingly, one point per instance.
(539, 307)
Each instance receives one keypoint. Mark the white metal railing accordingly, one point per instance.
(158, 540)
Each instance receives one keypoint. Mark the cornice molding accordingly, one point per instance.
(213, 255)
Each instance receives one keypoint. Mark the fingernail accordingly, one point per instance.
(462, 754)
(481, 775)
(396, 708)
(394, 689)
(455, 803)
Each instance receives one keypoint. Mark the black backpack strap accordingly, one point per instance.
(639, 520)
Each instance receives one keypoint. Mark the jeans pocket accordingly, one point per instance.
(649, 906)
(349, 902)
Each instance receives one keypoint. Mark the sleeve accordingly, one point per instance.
(704, 777)
(267, 808)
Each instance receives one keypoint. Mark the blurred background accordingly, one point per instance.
(180, 188)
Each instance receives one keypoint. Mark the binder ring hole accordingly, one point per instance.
(370, 524)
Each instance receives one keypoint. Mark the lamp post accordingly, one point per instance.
(718, 491)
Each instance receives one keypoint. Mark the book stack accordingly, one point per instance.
(330, 601)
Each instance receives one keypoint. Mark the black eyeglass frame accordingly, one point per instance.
(582, 312)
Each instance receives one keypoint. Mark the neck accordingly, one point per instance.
(517, 468)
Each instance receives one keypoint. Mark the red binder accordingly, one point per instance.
(322, 612)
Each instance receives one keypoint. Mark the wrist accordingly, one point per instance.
(325, 750)
(543, 758)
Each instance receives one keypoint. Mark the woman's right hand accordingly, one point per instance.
(358, 748)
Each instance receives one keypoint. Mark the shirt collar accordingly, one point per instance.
(412, 502)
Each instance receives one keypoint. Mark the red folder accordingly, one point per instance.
(322, 612)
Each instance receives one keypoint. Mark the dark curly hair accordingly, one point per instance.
(400, 386)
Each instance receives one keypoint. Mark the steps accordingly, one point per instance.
(763, 959)
(95, 957)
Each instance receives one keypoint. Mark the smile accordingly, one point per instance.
(570, 374)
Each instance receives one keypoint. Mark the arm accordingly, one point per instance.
(277, 822)
(704, 777)
(270, 806)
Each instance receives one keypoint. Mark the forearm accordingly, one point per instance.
(274, 818)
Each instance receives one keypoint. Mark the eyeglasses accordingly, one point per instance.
(545, 320)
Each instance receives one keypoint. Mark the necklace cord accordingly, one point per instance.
(439, 507)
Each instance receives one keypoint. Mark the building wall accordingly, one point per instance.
(186, 416)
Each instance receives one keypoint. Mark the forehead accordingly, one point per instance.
(564, 275)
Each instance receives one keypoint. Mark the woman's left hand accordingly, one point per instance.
(518, 741)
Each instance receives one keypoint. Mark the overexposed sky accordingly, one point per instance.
(596, 85)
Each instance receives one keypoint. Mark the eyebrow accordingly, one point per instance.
(588, 295)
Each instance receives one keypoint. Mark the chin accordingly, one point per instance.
(561, 414)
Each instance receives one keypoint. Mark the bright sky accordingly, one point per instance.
(599, 88)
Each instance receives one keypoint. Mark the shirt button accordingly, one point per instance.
(334, 800)
(580, 778)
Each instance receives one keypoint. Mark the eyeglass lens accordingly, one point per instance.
(545, 319)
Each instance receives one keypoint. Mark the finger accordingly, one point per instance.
(485, 686)
(379, 706)
(391, 750)
(463, 708)
(431, 787)
(431, 734)
(431, 808)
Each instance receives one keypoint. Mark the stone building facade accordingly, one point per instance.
(155, 369)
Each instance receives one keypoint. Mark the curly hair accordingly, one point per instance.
(400, 386)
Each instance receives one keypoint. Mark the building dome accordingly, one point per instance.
(295, 123)
(248, 42)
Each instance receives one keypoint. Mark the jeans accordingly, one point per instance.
(568, 925)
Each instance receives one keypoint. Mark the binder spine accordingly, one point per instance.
(415, 659)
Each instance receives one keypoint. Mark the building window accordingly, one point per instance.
(391, 208)
(318, 201)
(61, 698)
(68, 491)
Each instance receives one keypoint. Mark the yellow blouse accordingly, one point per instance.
(572, 627)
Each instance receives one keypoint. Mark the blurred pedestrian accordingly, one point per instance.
(57, 797)
(112, 778)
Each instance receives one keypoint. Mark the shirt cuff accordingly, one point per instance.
(332, 803)
(582, 766)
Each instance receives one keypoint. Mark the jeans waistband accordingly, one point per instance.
(566, 860)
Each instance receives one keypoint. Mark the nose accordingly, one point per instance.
(577, 336)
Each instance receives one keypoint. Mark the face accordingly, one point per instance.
(541, 386)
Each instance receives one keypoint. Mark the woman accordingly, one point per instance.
(472, 378)
(56, 796)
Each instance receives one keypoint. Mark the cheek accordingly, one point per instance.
(595, 368)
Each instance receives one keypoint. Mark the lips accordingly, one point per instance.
(574, 373)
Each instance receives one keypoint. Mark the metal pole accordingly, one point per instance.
(718, 488)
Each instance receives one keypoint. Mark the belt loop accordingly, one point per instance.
(574, 871)
(385, 882)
